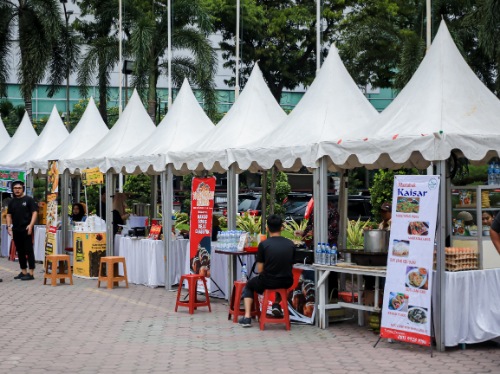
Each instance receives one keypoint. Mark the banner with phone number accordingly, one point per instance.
(406, 310)
(200, 232)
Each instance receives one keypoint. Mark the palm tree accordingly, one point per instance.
(148, 46)
(39, 27)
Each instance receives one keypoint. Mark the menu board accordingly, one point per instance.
(406, 310)
(52, 194)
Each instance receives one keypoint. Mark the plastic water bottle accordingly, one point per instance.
(497, 173)
(318, 254)
(327, 251)
(333, 256)
(491, 174)
(244, 274)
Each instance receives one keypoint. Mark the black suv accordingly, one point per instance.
(251, 202)
(357, 207)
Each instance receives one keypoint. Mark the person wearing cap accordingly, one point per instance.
(21, 217)
(386, 214)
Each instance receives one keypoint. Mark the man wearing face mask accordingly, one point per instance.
(21, 218)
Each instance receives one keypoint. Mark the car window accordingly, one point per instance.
(356, 209)
(249, 203)
(292, 205)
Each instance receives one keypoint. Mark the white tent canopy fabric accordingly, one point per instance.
(53, 134)
(88, 132)
(254, 113)
(332, 108)
(22, 140)
(184, 124)
(132, 128)
(443, 107)
(4, 135)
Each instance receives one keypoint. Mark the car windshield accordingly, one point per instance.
(292, 205)
(247, 204)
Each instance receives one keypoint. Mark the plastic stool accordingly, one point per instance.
(58, 262)
(192, 303)
(264, 318)
(234, 303)
(112, 276)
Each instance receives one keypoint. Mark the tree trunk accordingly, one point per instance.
(28, 106)
(272, 190)
(153, 78)
(103, 92)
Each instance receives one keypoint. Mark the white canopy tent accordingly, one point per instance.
(333, 108)
(185, 124)
(53, 134)
(132, 128)
(254, 113)
(22, 140)
(4, 135)
(443, 107)
(87, 133)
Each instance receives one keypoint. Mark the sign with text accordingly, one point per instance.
(92, 176)
(200, 232)
(51, 219)
(406, 311)
(88, 249)
(7, 176)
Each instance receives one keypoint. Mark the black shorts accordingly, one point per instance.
(260, 283)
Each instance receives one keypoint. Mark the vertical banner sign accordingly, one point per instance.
(88, 247)
(51, 222)
(7, 176)
(200, 232)
(406, 311)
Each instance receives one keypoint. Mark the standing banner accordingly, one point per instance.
(7, 176)
(52, 194)
(200, 232)
(89, 247)
(92, 176)
(406, 310)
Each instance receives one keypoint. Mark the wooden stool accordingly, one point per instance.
(192, 303)
(264, 318)
(60, 269)
(111, 271)
(234, 303)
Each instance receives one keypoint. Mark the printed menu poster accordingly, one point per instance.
(52, 194)
(406, 310)
(7, 176)
(200, 232)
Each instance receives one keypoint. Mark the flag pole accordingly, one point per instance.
(237, 41)
(120, 62)
(169, 51)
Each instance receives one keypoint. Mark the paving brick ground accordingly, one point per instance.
(82, 329)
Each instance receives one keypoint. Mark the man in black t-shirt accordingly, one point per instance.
(274, 264)
(495, 232)
(21, 218)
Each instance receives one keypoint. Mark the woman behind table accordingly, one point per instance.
(78, 213)
(119, 214)
(487, 219)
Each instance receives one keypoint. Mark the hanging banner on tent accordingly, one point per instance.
(92, 176)
(7, 176)
(200, 232)
(51, 221)
(406, 310)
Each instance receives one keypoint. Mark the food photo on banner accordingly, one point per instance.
(406, 310)
(7, 176)
(302, 295)
(200, 231)
(51, 222)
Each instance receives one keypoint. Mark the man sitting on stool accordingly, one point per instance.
(274, 265)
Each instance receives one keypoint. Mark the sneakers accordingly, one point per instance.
(19, 276)
(27, 277)
(276, 310)
(245, 322)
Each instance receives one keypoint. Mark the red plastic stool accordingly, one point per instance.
(264, 318)
(192, 303)
(234, 304)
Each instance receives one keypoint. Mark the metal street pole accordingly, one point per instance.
(67, 14)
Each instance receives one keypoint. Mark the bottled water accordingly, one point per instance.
(318, 254)
(327, 251)
(244, 274)
(333, 257)
(491, 174)
(497, 173)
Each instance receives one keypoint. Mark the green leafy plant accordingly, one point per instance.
(181, 220)
(248, 223)
(294, 230)
(355, 231)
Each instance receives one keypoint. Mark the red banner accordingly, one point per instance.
(200, 232)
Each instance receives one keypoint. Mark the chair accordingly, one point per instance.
(60, 269)
(192, 303)
(264, 318)
(234, 303)
(110, 274)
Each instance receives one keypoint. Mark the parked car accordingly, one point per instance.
(251, 202)
(357, 207)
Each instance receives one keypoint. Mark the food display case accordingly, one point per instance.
(467, 230)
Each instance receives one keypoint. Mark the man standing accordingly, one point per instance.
(495, 232)
(274, 264)
(21, 218)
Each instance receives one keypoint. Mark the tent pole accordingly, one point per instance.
(440, 262)
(322, 219)
(109, 214)
(64, 209)
(343, 209)
(166, 184)
(263, 200)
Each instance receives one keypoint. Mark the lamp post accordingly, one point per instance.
(128, 68)
(67, 14)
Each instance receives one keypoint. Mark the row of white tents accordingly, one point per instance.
(444, 108)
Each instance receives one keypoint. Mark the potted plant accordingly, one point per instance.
(355, 232)
(250, 224)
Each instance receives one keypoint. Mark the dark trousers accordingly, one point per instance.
(24, 247)
(259, 284)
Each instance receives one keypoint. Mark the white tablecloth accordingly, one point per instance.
(39, 242)
(472, 306)
(219, 272)
(6, 239)
(144, 259)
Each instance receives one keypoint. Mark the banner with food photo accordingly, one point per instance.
(52, 221)
(406, 310)
(7, 176)
(89, 247)
(200, 231)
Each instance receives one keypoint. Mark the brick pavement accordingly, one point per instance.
(82, 329)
